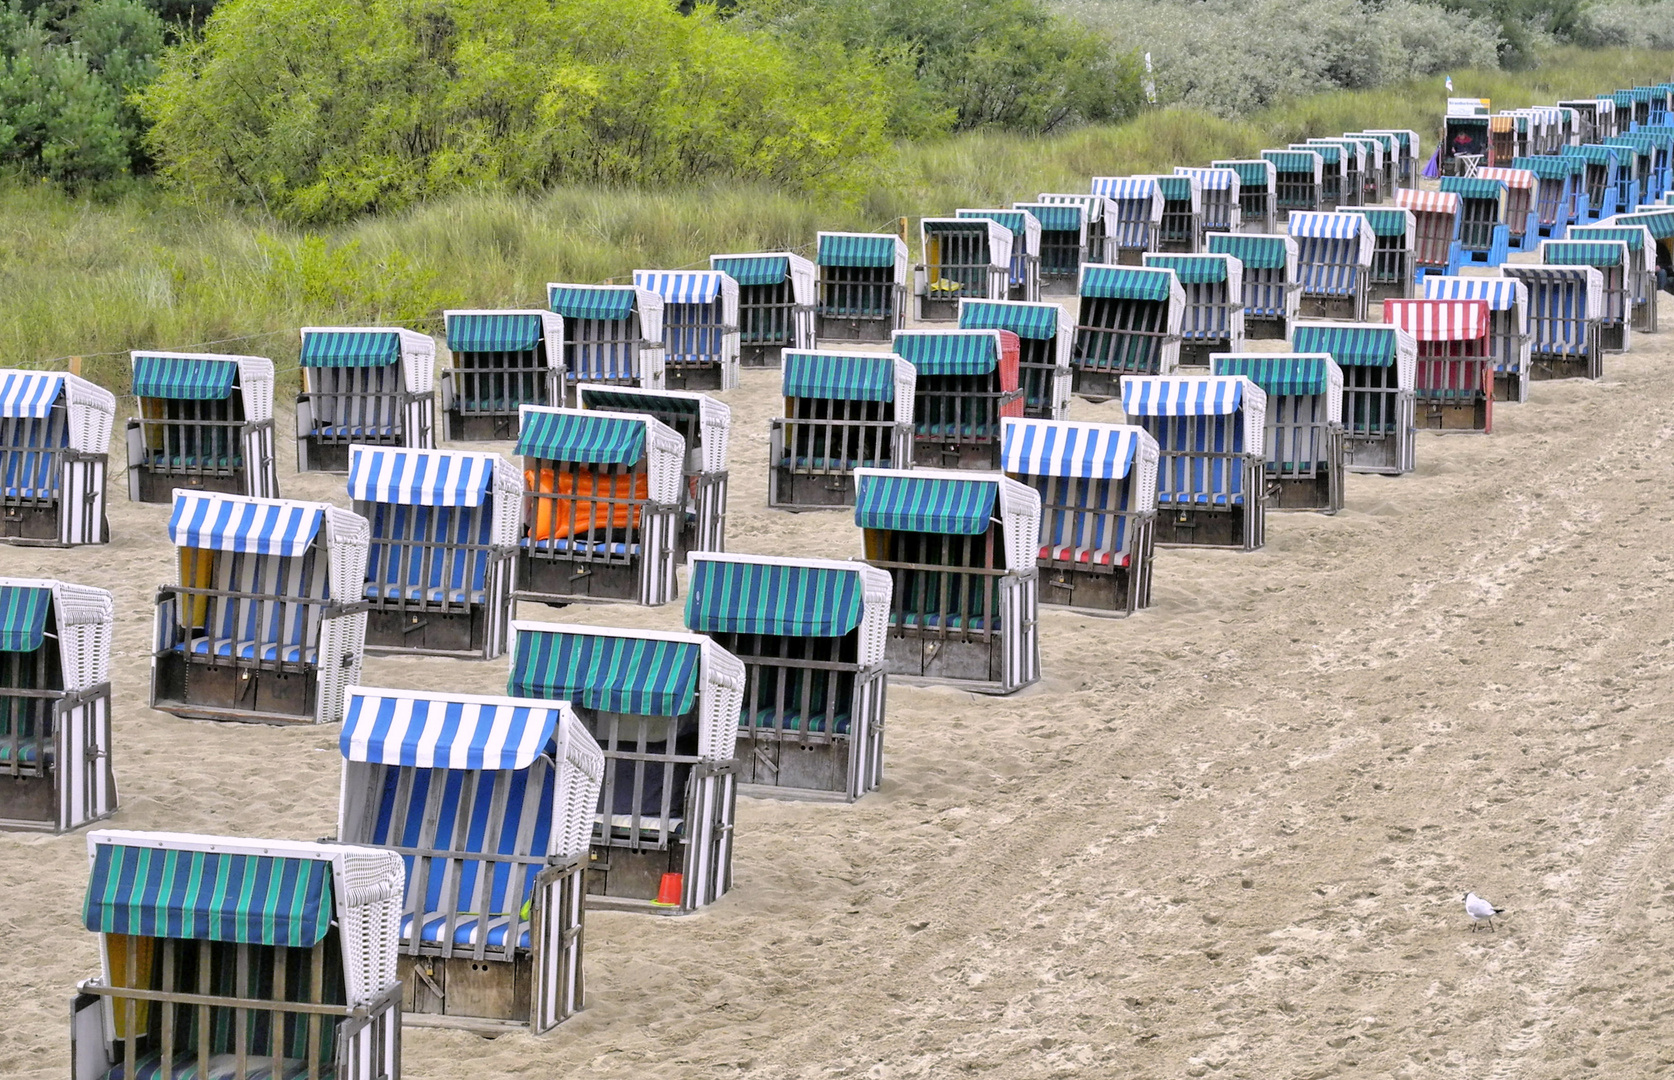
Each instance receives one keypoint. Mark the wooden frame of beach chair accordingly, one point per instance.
(1303, 439)
(843, 411)
(1435, 230)
(1385, 154)
(1213, 319)
(1508, 327)
(1564, 307)
(1211, 465)
(205, 423)
(1484, 237)
(963, 257)
(210, 946)
(1271, 288)
(664, 708)
(1557, 180)
(364, 385)
(1064, 241)
(1333, 263)
(1298, 181)
(500, 361)
(584, 467)
(1023, 271)
(1407, 155)
(1370, 163)
(1098, 492)
(1612, 259)
(1128, 322)
(1586, 115)
(810, 633)
(1522, 224)
(1502, 139)
(445, 526)
(268, 622)
(1098, 214)
(1640, 270)
(1137, 225)
(489, 802)
(1256, 181)
(612, 334)
(960, 548)
(1346, 155)
(775, 304)
(1181, 228)
(1598, 180)
(1453, 384)
(705, 423)
(967, 380)
(55, 698)
(862, 286)
(1380, 366)
(700, 327)
(1045, 343)
(1395, 240)
(54, 457)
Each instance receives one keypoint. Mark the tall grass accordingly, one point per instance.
(90, 278)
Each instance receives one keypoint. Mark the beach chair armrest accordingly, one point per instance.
(336, 610)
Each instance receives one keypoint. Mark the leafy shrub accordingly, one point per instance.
(1627, 24)
(324, 280)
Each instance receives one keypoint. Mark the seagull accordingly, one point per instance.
(1479, 910)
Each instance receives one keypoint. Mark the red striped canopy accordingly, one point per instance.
(1511, 178)
(1439, 320)
(1430, 202)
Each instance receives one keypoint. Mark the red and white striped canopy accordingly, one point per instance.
(1511, 178)
(1431, 202)
(1439, 320)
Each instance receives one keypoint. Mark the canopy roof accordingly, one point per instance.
(422, 730)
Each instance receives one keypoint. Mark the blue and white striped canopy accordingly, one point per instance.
(1182, 395)
(1125, 187)
(1210, 179)
(419, 477)
(682, 287)
(1501, 293)
(241, 523)
(1066, 448)
(1327, 226)
(29, 394)
(443, 731)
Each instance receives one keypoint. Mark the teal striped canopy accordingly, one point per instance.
(925, 504)
(1175, 188)
(1251, 174)
(1190, 269)
(1330, 153)
(494, 333)
(770, 598)
(1035, 321)
(1054, 217)
(1281, 376)
(931, 353)
(337, 350)
(838, 378)
(1125, 283)
(589, 438)
(1549, 166)
(753, 269)
(1290, 161)
(1013, 221)
(633, 675)
(180, 378)
(1254, 251)
(1593, 153)
(608, 305)
(630, 399)
(1634, 238)
(23, 615)
(1473, 187)
(1580, 253)
(1384, 221)
(878, 250)
(1660, 222)
(1350, 346)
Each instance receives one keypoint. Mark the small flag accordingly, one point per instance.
(1450, 84)
(1150, 82)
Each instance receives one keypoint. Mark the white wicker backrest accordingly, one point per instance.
(1018, 506)
(1142, 474)
(580, 765)
(720, 699)
(92, 415)
(255, 383)
(1255, 418)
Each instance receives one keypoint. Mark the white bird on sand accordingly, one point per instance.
(1480, 910)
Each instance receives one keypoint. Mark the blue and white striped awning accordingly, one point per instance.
(1210, 179)
(1125, 187)
(1066, 448)
(419, 477)
(445, 731)
(682, 286)
(1327, 226)
(240, 523)
(1501, 293)
(1182, 395)
(29, 394)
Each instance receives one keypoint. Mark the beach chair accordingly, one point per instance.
(502, 360)
(205, 423)
(1343, 186)
(268, 622)
(1502, 139)
(1384, 150)
(1565, 305)
(1333, 263)
(1272, 288)
(1063, 242)
(1639, 271)
(1436, 218)
(1611, 259)
(1328, 190)
(1467, 141)
(1484, 238)
(1221, 198)
(775, 304)
(1640, 148)
(1211, 465)
(1256, 194)
(488, 804)
(1624, 108)
(603, 507)
(1303, 438)
(1138, 224)
(1453, 385)
(1098, 492)
(1129, 322)
(55, 749)
(1213, 320)
(230, 957)
(1379, 366)
(1023, 272)
(1182, 217)
(1371, 159)
(364, 385)
(705, 424)
(1098, 214)
(862, 286)
(1298, 181)
(664, 708)
(1605, 125)
(1558, 197)
(1659, 220)
(1408, 157)
(966, 381)
(1394, 243)
(1585, 111)
(963, 257)
(1508, 326)
(960, 548)
(612, 334)
(54, 455)
(700, 327)
(1045, 343)
(1598, 180)
(843, 411)
(810, 633)
(445, 524)
(1522, 223)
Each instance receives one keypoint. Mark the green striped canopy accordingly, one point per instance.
(1286, 376)
(876, 250)
(1549, 166)
(1251, 174)
(1290, 161)
(769, 598)
(632, 675)
(1634, 238)
(1012, 220)
(627, 399)
(1580, 253)
(754, 269)
(1330, 153)
(494, 333)
(1660, 222)
(1350, 346)
(180, 378)
(208, 896)
(1190, 269)
(1594, 153)
(609, 305)
(1054, 217)
(839, 378)
(589, 438)
(1125, 283)
(948, 354)
(1384, 221)
(925, 504)
(1622, 98)
(23, 614)
(1175, 188)
(1254, 251)
(338, 350)
(1473, 187)
(1038, 321)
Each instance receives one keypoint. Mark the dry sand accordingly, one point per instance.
(1226, 837)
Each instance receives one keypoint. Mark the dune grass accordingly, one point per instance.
(146, 270)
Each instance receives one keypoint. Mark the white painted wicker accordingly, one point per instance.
(580, 767)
